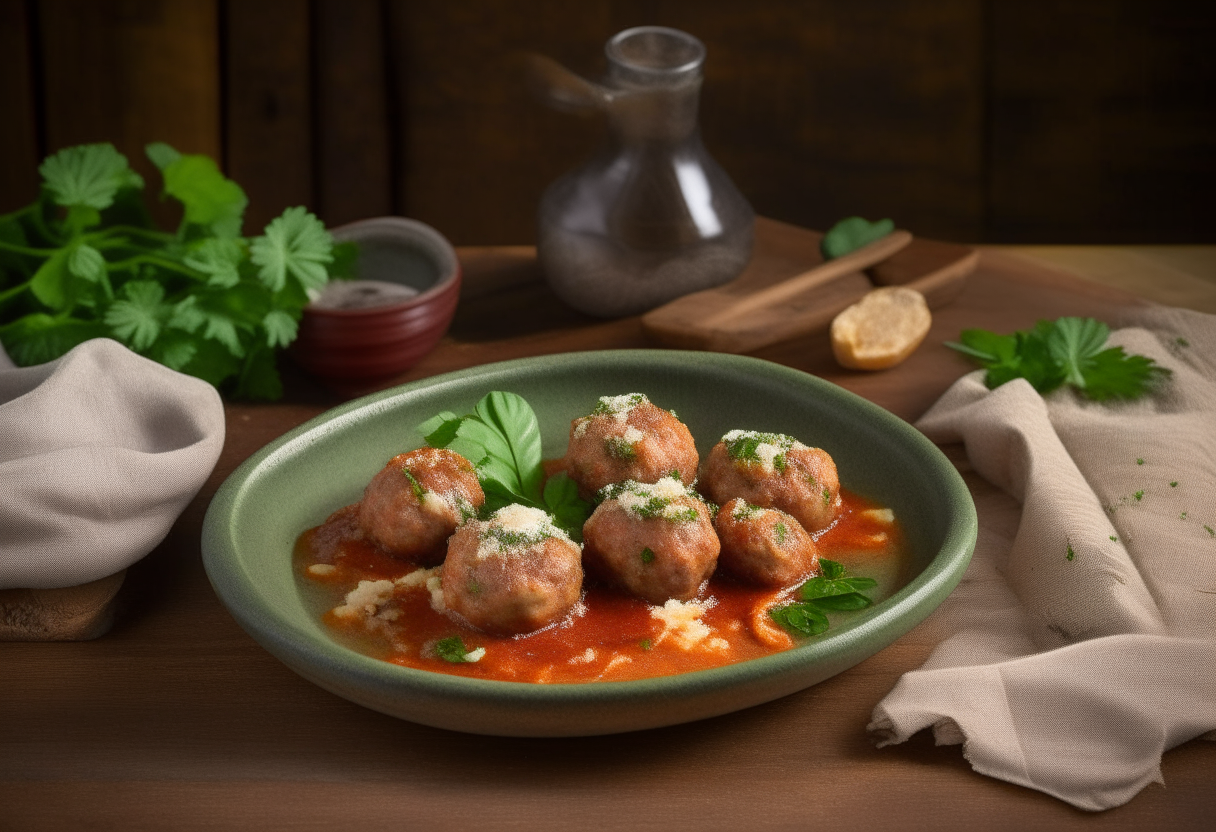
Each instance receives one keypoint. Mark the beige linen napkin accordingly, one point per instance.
(100, 451)
(1081, 642)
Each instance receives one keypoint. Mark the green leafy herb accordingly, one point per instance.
(452, 650)
(852, 233)
(800, 619)
(501, 437)
(1140, 460)
(85, 261)
(1114, 538)
(647, 555)
(1211, 532)
(1066, 351)
(1139, 495)
(618, 447)
(832, 590)
(419, 491)
(1069, 554)
(1173, 483)
(781, 532)
(645, 644)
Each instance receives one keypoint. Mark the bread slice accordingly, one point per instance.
(882, 329)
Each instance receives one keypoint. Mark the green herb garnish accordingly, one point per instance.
(781, 531)
(1140, 460)
(647, 555)
(1066, 351)
(618, 447)
(1069, 553)
(501, 437)
(1174, 484)
(645, 644)
(1211, 532)
(852, 233)
(85, 261)
(830, 591)
(419, 491)
(452, 650)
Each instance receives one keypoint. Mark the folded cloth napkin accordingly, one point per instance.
(1081, 643)
(100, 451)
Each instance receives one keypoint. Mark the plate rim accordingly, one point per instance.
(902, 611)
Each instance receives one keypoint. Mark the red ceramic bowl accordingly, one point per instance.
(373, 342)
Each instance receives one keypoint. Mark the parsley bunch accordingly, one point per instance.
(85, 261)
(1066, 351)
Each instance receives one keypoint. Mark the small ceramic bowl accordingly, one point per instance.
(399, 306)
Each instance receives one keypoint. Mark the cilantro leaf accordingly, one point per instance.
(210, 198)
(88, 176)
(293, 243)
(1065, 351)
(87, 262)
(280, 328)
(219, 259)
(38, 338)
(137, 319)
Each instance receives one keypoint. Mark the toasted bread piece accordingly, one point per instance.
(882, 329)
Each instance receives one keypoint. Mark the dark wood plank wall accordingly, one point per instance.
(977, 120)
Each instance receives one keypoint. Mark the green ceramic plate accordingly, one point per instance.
(297, 480)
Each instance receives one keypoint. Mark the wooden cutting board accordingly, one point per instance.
(788, 291)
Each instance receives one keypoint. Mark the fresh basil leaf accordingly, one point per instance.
(830, 568)
(569, 511)
(857, 584)
(515, 421)
(847, 601)
(800, 619)
(439, 430)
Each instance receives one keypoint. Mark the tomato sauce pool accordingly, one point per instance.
(355, 588)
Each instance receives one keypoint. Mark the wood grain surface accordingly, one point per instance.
(178, 720)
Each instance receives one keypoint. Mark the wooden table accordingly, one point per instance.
(177, 720)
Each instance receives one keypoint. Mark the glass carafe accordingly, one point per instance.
(651, 216)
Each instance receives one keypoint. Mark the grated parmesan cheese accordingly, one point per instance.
(879, 515)
(516, 527)
(682, 621)
(320, 570)
(586, 657)
(365, 599)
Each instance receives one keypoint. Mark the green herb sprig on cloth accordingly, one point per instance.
(832, 590)
(85, 261)
(1066, 351)
(501, 437)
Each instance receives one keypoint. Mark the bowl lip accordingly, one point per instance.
(435, 245)
(326, 659)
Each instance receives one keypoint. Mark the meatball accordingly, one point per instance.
(512, 574)
(628, 438)
(764, 546)
(412, 507)
(655, 540)
(772, 470)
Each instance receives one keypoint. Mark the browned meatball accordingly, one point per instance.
(412, 506)
(628, 438)
(764, 546)
(512, 574)
(655, 540)
(772, 470)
